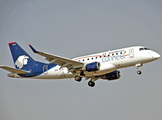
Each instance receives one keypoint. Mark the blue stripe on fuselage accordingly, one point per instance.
(38, 70)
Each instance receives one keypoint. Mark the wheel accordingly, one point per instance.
(78, 78)
(139, 72)
(91, 83)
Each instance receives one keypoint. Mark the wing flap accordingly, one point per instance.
(13, 70)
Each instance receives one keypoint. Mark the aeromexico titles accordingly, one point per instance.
(93, 67)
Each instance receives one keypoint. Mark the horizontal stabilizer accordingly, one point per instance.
(13, 70)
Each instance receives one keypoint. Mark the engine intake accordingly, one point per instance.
(113, 75)
(92, 66)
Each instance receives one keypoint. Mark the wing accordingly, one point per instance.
(13, 70)
(61, 61)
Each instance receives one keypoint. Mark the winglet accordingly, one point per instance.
(33, 49)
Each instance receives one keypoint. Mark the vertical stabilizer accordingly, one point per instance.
(21, 59)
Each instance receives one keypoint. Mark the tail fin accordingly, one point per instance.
(21, 59)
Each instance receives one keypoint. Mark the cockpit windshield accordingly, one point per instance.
(144, 49)
(141, 49)
(147, 49)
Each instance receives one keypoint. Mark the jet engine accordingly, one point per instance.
(112, 76)
(91, 66)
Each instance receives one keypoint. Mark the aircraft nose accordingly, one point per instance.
(156, 55)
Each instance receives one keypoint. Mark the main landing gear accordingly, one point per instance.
(138, 68)
(91, 83)
(78, 78)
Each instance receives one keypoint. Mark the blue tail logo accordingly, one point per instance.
(21, 61)
(25, 66)
(24, 61)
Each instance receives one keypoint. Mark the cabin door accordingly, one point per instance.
(131, 53)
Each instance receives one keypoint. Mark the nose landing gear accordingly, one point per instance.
(139, 72)
(138, 68)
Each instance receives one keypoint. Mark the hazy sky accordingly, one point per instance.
(72, 28)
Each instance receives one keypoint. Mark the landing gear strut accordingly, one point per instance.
(138, 68)
(91, 83)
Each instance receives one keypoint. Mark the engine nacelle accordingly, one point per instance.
(112, 76)
(91, 66)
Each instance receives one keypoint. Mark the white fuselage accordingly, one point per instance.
(109, 61)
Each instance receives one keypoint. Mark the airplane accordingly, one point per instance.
(103, 65)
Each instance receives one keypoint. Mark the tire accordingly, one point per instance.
(139, 72)
(91, 83)
(78, 78)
